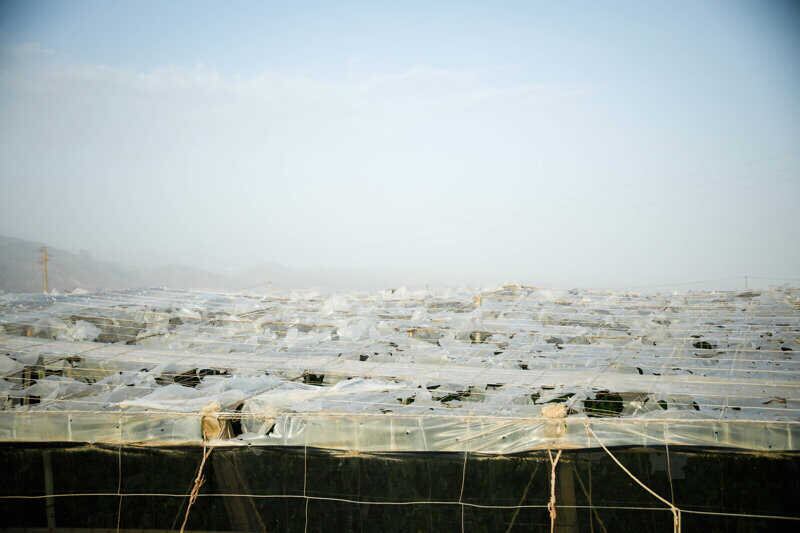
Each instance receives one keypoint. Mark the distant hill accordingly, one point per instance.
(21, 271)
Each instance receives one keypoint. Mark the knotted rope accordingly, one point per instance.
(211, 429)
(551, 505)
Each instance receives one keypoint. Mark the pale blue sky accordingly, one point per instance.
(566, 143)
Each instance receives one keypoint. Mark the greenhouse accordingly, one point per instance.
(513, 409)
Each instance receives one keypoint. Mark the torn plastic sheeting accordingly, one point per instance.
(509, 354)
(9, 366)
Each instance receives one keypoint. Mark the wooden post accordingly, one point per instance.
(50, 502)
(44, 269)
(567, 521)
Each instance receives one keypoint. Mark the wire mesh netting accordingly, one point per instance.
(299, 489)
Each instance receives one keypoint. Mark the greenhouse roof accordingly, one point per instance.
(501, 371)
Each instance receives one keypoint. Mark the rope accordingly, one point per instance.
(198, 483)
(669, 471)
(522, 499)
(387, 503)
(592, 508)
(119, 486)
(676, 512)
(461, 492)
(305, 479)
(211, 429)
(551, 505)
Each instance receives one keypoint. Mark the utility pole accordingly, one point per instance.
(45, 258)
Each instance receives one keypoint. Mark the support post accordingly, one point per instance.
(50, 502)
(45, 259)
(567, 513)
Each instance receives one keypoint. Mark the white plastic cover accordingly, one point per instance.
(500, 371)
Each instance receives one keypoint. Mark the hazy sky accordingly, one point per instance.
(560, 143)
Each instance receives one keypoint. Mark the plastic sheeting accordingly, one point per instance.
(501, 371)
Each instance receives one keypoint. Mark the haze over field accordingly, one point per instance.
(567, 144)
(21, 271)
